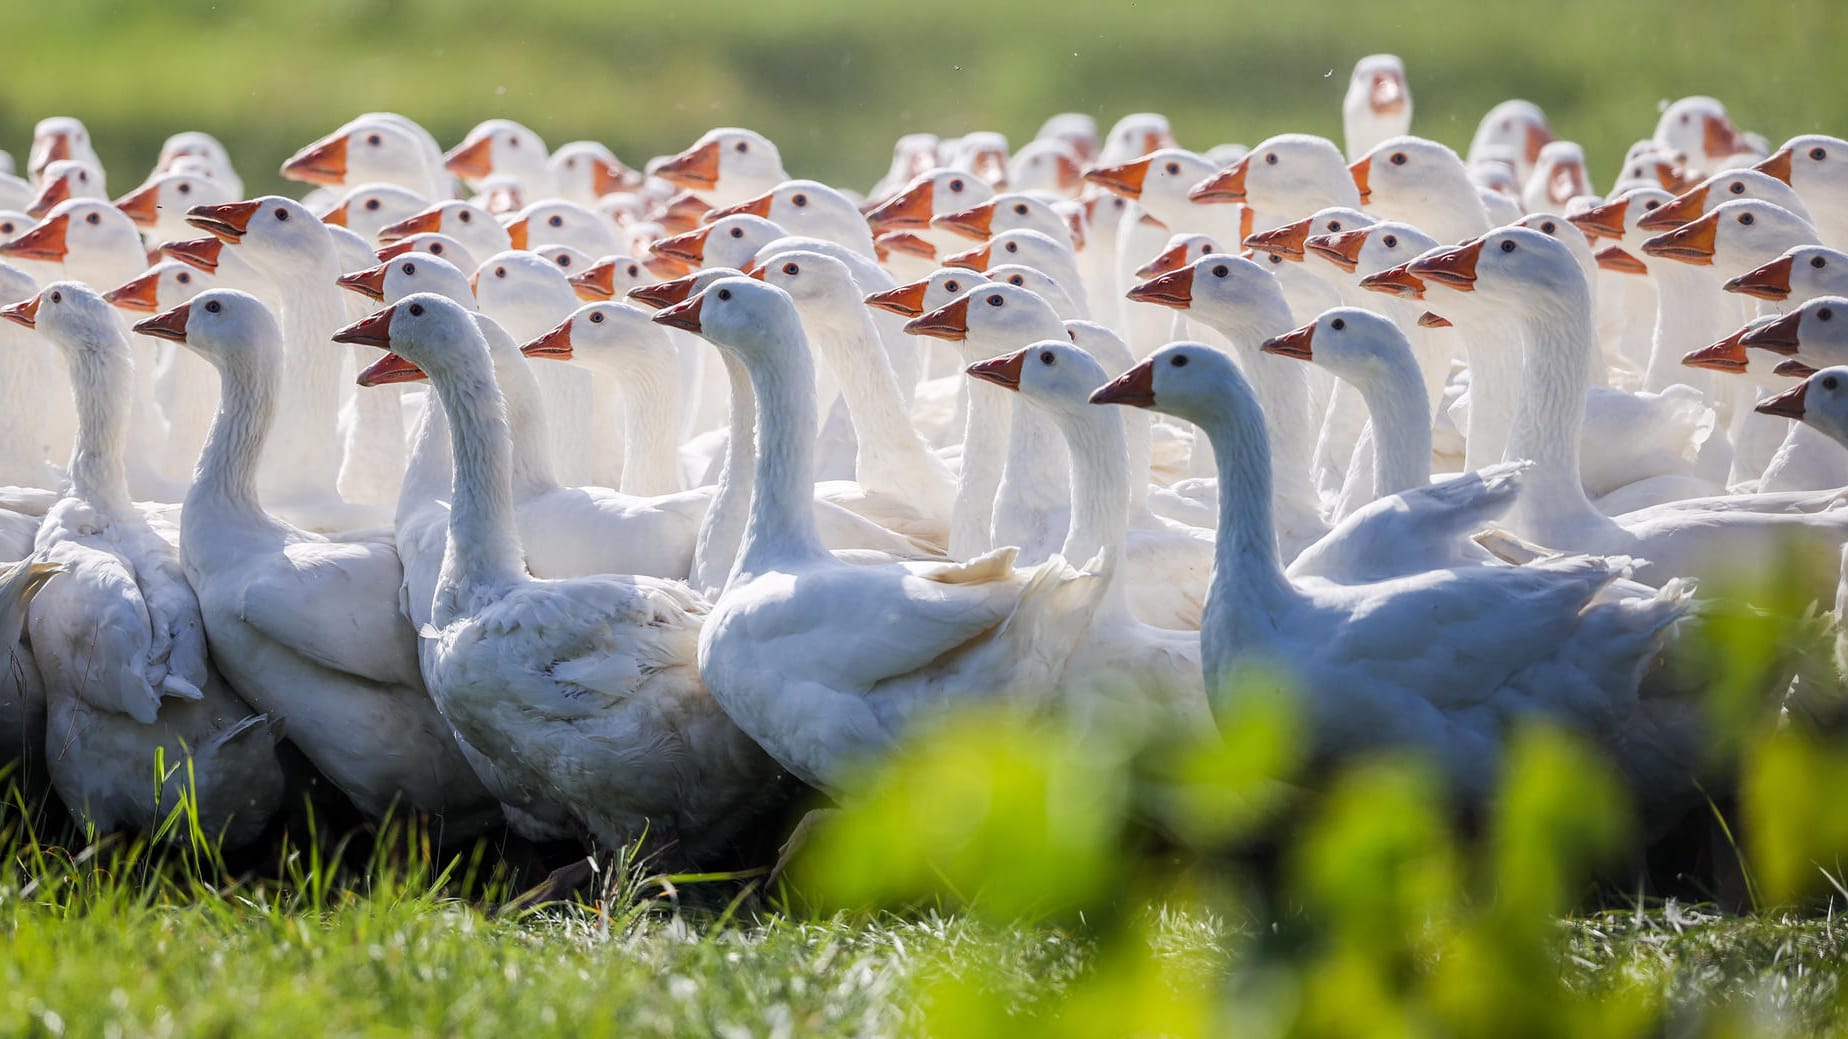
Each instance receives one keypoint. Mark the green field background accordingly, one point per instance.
(834, 84)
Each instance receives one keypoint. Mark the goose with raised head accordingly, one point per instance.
(159, 205)
(184, 385)
(1514, 132)
(377, 146)
(1422, 183)
(56, 138)
(600, 671)
(726, 165)
(808, 207)
(585, 171)
(1378, 104)
(433, 243)
(1559, 176)
(305, 628)
(119, 639)
(1803, 272)
(1699, 128)
(554, 221)
(1046, 166)
(1816, 165)
(1021, 245)
(1281, 177)
(503, 148)
(207, 153)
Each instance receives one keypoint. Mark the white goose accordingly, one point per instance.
(1378, 104)
(585, 171)
(811, 208)
(1816, 165)
(1513, 131)
(159, 206)
(465, 222)
(726, 165)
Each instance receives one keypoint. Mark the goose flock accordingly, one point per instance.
(515, 486)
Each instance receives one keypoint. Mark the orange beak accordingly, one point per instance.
(950, 321)
(1538, 137)
(1228, 185)
(1776, 165)
(975, 259)
(597, 282)
(1689, 243)
(60, 148)
(1430, 320)
(1682, 209)
(1361, 171)
(555, 345)
(1173, 258)
(198, 253)
(1070, 175)
(1074, 222)
(1614, 258)
(372, 330)
(1605, 221)
(665, 266)
(905, 300)
(909, 211)
(1125, 180)
(55, 191)
(1727, 355)
(1720, 138)
(44, 242)
(1794, 369)
(1294, 344)
(689, 247)
(504, 198)
(336, 216)
(1453, 268)
(140, 294)
(1772, 281)
(397, 248)
(683, 213)
(430, 220)
(324, 162)
(973, 222)
(171, 325)
(1135, 388)
(905, 242)
(518, 233)
(1286, 241)
(142, 205)
(682, 315)
(755, 270)
(389, 369)
(608, 178)
(1003, 371)
(25, 312)
(369, 282)
(1396, 281)
(1788, 404)
(696, 169)
(226, 222)
(1341, 249)
(1387, 95)
(471, 160)
(759, 206)
(663, 294)
(1779, 337)
(1568, 181)
(1173, 289)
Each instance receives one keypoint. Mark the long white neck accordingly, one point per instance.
(527, 424)
(1282, 391)
(782, 526)
(722, 530)
(1552, 508)
(427, 474)
(226, 477)
(1687, 316)
(979, 482)
(1401, 414)
(306, 459)
(1034, 485)
(482, 558)
(888, 444)
(1101, 479)
(1248, 586)
(1494, 350)
(651, 422)
(101, 376)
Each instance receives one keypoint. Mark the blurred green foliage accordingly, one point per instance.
(835, 83)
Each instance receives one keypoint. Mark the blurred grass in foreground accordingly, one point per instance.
(834, 84)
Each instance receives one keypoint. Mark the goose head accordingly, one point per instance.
(59, 137)
(726, 242)
(1017, 246)
(366, 150)
(1054, 375)
(1554, 226)
(903, 253)
(912, 154)
(1357, 345)
(1366, 250)
(568, 260)
(1734, 237)
(1036, 281)
(279, 236)
(619, 340)
(436, 245)
(1514, 128)
(1006, 212)
(94, 241)
(76, 319)
(1619, 220)
(203, 149)
(14, 223)
(1189, 380)
(168, 283)
(805, 207)
(558, 222)
(930, 194)
(919, 297)
(1288, 240)
(1700, 128)
(1161, 181)
(1181, 250)
(1288, 173)
(408, 274)
(1720, 188)
(499, 146)
(664, 294)
(1820, 401)
(367, 208)
(1378, 104)
(1515, 270)
(501, 195)
(983, 153)
(821, 286)
(159, 206)
(1650, 162)
(232, 330)
(749, 319)
(1818, 329)
(1075, 130)
(1412, 179)
(1814, 164)
(1047, 165)
(1802, 273)
(1558, 177)
(1138, 133)
(682, 212)
(990, 319)
(66, 179)
(610, 277)
(463, 221)
(425, 333)
(585, 171)
(1236, 295)
(523, 291)
(725, 165)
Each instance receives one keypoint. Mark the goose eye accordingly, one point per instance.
(724, 293)
(1818, 262)
(1398, 158)
(183, 278)
(1017, 280)
(1221, 271)
(956, 185)
(1269, 160)
(799, 201)
(1818, 154)
(634, 272)
(737, 232)
(93, 218)
(1046, 357)
(417, 310)
(994, 301)
(513, 142)
(6, 228)
(83, 176)
(1276, 258)
(1830, 382)
(1825, 314)
(563, 260)
(1746, 219)
(372, 203)
(500, 272)
(1173, 168)
(185, 189)
(555, 221)
(281, 213)
(571, 164)
(409, 268)
(791, 268)
(1020, 208)
(436, 248)
(1549, 227)
(1392, 241)
(1012, 247)
(953, 286)
(1334, 226)
(1338, 324)
(1737, 188)
(1180, 361)
(741, 147)
(213, 306)
(373, 139)
(1508, 246)
(1206, 248)
(465, 216)
(57, 297)
(597, 318)
(1651, 205)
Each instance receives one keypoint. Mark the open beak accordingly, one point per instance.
(1173, 258)
(1689, 243)
(1396, 281)
(369, 282)
(1362, 172)
(226, 222)
(1779, 337)
(696, 169)
(688, 248)
(197, 253)
(430, 220)
(1777, 164)
(1341, 249)
(1388, 94)
(323, 162)
(471, 160)
(597, 282)
(683, 315)
(1613, 258)
(1125, 180)
(907, 243)
(171, 325)
(950, 321)
(1286, 241)
(44, 242)
(1682, 209)
(142, 205)
(140, 294)
(1605, 221)
(973, 222)
(759, 206)
(555, 345)
(25, 312)
(905, 300)
(372, 330)
(663, 294)
(1228, 185)
(1173, 289)
(1788, 404)
(1294, 343)
(1772, 281)
(1003, 371)
(1135, 388)
(910, 210)
(975, 259)
(1728, 355)
(55, 191)
(1453, 268)
(389, 369)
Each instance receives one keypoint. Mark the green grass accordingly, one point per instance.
(834, 84)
